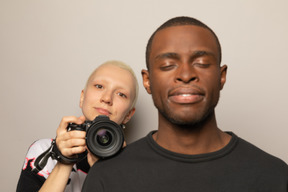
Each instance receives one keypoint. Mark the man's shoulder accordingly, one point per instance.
(132, 153)
(253, 153)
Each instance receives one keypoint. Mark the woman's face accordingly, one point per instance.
(110, 91)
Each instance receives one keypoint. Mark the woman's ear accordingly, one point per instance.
(146, 80)
(129, 115)
(81, 99)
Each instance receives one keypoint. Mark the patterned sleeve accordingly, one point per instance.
(30, 181)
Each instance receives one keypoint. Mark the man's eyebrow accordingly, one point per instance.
(168, 55)
(194, 55)
(197, 54)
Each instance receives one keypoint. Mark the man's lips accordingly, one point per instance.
(103, 111)
(185, 95)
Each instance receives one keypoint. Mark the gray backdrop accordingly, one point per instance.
(48, 49)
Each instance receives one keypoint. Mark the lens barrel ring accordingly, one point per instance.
(104, 138)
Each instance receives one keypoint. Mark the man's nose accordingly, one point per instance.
(186, 73)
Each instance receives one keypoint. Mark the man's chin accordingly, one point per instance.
(185, 122)
(182, 120)
(186, 119)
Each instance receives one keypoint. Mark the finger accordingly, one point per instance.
(75, 135)
(66, 120)
(65, 144)
(68, 152)
(66, 139)
(75, 143)
(71, 142)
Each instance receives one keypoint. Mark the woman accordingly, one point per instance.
(110, 90)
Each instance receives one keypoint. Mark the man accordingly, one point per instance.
(188, 152)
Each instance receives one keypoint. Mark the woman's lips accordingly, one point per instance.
(103, 111)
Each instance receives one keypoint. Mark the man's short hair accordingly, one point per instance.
(178, 21)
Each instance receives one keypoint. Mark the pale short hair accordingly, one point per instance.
(124, 66)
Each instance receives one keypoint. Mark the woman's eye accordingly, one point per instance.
(122, 95)
(98, 86)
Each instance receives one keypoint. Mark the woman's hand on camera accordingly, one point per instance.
(72, 142)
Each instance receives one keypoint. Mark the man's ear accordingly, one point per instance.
(81, 99)
(223, 75)
(129, 115)
(146, 80)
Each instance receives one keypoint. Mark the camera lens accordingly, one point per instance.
(103, 137)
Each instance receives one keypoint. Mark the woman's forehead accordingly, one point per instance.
(114, 74)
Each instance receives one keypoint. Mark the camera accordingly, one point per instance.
(104, 138)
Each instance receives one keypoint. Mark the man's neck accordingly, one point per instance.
(204, 138)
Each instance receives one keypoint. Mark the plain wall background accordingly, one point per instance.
(48, 49)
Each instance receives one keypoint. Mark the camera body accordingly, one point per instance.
(104, 138)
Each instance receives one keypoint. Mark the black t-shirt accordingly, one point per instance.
(145, 166)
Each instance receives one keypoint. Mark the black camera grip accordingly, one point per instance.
(76, 127)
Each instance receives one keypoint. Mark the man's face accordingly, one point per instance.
(184, 78)
(110, 91)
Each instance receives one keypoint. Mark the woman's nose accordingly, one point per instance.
(107, 97)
